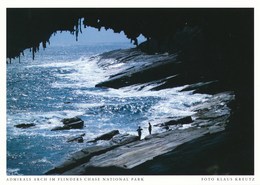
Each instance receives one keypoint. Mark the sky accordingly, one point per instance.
(90, 35)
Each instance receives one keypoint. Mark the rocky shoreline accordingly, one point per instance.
(209, 51)
(203, 135)
(197, 144)
(125, 152)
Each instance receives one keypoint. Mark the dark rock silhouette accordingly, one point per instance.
(80, 140)
(185, 120)
(25, 125)
(67, 121)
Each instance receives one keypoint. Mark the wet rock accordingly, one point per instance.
(67, 121)
(25, 125)
(106, 136)
(77, 138)
(75, 125)
(166, 127)
(80, 140)
(70, 123)
(58, 128)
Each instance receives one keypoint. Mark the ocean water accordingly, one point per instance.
(60, 83)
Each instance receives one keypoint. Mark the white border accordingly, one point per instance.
(129, 3)
(165, 180)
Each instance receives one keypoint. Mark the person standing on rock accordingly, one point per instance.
(150, 128)
(139, 130)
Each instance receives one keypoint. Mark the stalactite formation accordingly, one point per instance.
(29, 27)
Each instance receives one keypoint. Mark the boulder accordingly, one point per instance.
(58, 128)
(121, 139)
(67, 121)
(185, 120)
(25, 125)
(70, 123)
(80, 140)
(106, 136)
(75, 125)
(77, 138)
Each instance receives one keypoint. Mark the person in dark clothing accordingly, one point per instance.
(139, 130)
(150, 128)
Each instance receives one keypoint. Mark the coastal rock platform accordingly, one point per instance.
(126, 152)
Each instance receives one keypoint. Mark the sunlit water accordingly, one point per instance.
(60, 83)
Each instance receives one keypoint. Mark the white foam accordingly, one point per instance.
(88, 105)
(86, 73)
(13, 171)
(43, 160)
(185, 126)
